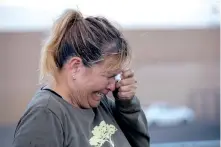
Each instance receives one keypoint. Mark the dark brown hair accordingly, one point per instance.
(90, 38)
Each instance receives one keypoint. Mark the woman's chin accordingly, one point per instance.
(95, 100)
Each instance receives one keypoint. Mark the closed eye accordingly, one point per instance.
(112, 76)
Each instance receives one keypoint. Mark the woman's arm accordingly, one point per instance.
(132, 121)
(39, 127)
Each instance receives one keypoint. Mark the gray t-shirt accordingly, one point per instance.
(50, 121)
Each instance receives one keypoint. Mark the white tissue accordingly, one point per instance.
(118, 77)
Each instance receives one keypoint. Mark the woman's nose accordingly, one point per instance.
(111, 85)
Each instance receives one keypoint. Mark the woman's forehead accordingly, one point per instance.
(112, 64)
(113, 72)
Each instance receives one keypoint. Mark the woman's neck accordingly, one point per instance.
(64, 92)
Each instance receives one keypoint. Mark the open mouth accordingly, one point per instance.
(99, 94)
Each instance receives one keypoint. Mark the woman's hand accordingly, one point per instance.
(126, 87)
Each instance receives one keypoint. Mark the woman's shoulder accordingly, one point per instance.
(44, 99)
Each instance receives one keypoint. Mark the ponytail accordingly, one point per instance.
(49, 52)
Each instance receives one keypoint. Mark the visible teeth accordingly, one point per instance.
(99, 94)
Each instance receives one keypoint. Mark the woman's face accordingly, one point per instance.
(91, 84)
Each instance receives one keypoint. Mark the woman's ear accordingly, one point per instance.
(75, 64)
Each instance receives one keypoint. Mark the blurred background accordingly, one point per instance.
(176, 46)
